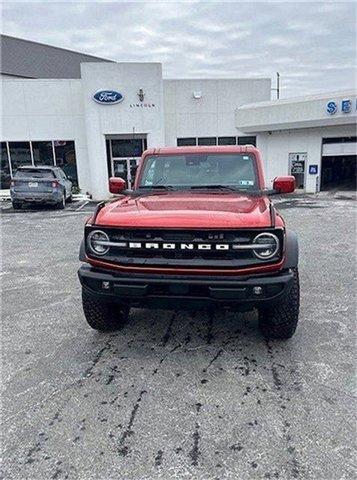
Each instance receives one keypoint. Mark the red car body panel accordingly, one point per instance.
(182, 210)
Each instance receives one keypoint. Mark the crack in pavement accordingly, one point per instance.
(295, 467)
(219, 353)
(194, 453)
(168, 332)
(158, 458)
(209, 335)
(123, 448)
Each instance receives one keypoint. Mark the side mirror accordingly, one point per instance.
(116, 185)
(284, 184)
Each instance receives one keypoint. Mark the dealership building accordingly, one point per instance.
(94, 118)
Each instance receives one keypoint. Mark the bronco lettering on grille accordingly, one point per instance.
(180, 246)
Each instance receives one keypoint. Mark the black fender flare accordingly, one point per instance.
(82, 252)
(291, 250)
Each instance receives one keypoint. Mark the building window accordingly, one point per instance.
(128, 147)
(5, 172)
(42, 153)
(227, 140)
(49, 152)
(186, 142)
(247, 141)
(66, 159)
(339, 140)
(20, 154)
(207, 141)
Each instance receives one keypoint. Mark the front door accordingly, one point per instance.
(125, 154)
(297, 168)
(120, 168)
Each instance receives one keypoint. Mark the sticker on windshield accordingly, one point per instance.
(246, 183)
(246, 157)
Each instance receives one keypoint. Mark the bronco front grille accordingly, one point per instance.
(190, 248)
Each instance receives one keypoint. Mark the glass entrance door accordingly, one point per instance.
(125, 154)
(120, 168)
(297, 163)
(125, 168)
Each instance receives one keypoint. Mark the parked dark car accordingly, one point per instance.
(45, 185)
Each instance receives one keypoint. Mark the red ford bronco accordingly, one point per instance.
(198, 230)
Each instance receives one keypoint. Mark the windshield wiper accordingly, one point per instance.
(154, 187)
(216, 187)
(228, 188)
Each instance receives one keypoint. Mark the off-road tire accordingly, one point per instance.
(16, 205)
(280, 320)
(103, 316)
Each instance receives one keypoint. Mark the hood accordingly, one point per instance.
(188, 210)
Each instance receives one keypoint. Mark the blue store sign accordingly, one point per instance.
(345, 106)
(313, 169)
(331, 108)
(108, 97)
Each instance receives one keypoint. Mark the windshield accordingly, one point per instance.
(198, 170)
(34, 173)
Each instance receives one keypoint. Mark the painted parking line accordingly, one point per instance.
(6, 205)
(81, 206)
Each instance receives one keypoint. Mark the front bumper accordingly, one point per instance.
(174, 291)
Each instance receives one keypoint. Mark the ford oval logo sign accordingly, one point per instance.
(108, 96)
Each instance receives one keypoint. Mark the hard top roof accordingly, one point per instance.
(202, 149)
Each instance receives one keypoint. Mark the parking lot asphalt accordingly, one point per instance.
(175, 395)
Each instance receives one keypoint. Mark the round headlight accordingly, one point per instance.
(267, 245)
(97, 242)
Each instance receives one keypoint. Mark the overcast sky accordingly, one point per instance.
(312, 45)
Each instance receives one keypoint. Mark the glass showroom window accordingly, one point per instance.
(247, 141)
(66, 159)
(128, 147)
(42, 153)
(5, 172)
(20, 154)
(339, 140)
(207, 141)
(186, 142)
(227, 140)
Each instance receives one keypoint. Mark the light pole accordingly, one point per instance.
(277, 89)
